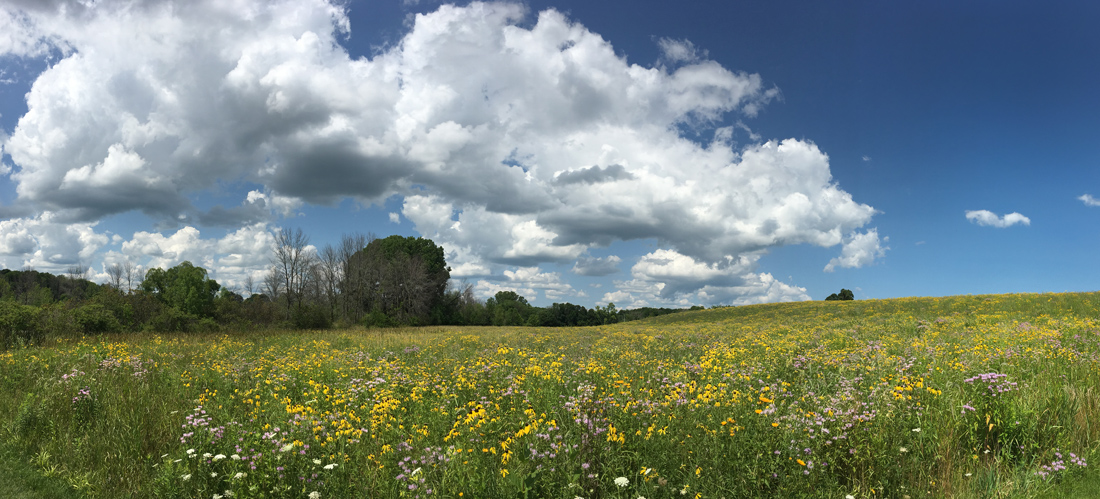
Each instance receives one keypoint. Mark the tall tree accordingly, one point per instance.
(402, 277)
(353, 282)
(508, 308)
(294, 259)
(184, 286)
(250, 284)
(273, 283)
(131, 272)
(77, 274)
(328, 270)
(115, 275)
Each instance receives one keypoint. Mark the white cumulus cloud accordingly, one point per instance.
(990, 219)
(668, 278)
(528, 282)
(859, 250)
(515, 139)
(1089, 200)
(47, 243)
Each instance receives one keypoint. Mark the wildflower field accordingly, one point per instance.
(974, 396)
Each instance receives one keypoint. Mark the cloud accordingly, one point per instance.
(590, 266)
(990, 219)
(229, 260)
(866, 158)
(154, 100)
(1089, 200)
(668, 278)
(755, 137)
(20, 37)
(256, 207)
(593, 175)
(859, 250)
(46, 243)
(528, 282)
(513, 142)
(159, 250)
(679, 51)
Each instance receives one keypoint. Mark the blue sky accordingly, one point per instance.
(646, 153)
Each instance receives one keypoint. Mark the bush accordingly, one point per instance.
(378, 318)
(94, 318)
(118, 304)
(311, 317)
(171, 320)
(18, 324)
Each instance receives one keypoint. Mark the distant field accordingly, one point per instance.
(976, 396)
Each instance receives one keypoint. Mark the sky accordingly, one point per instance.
(646, 153)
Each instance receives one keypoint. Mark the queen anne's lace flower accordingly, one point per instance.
(622, 482)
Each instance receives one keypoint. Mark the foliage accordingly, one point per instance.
(171, 320)
(844, 294)
(31, 287)
(94, 318)
(18, 324)
(402, 277)
(508, 308)
(311, 316)
(184, 287)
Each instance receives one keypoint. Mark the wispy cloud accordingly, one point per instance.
(990, 219)
(1089, 200)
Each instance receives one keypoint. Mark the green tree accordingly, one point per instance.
(608, 314)
(404, 278)
(185, 287)
(508, 308)
(844, 294)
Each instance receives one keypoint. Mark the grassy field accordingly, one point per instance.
(975, 396)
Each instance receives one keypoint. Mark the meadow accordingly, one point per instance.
(970, 396)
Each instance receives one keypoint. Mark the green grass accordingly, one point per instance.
(21, 479)
(1086, 486)
(729, 402)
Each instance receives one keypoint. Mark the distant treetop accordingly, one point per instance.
(844, 294)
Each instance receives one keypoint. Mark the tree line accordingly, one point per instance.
(362, 280)
(401, 281)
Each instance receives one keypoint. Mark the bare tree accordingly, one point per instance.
(328, 270)
(132, 274)
(354, 278)
(249, 284)
(273, 283)
(115, 275)
(77, 273)
(294, 259)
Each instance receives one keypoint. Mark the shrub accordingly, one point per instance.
(378, 318)
(171, 320)
(18, 324)
(95, 319)
(311, 317)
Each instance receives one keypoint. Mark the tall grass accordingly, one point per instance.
(974, 396)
